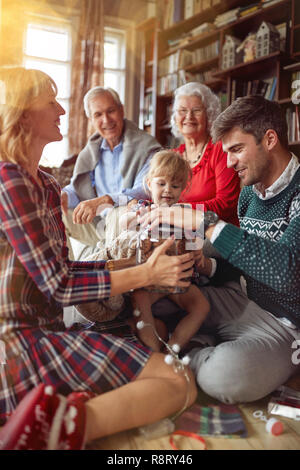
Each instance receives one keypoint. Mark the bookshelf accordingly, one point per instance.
(147, 33)
(188, 47)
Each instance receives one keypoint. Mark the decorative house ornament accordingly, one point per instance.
(267, 39)
(230, 56)
(248, 47)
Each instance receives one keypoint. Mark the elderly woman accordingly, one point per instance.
(213, 184)
(123, 385)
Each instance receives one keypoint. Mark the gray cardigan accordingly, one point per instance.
(137, 146)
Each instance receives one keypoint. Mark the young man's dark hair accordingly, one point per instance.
(253, 115)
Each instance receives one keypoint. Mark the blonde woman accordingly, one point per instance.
(45, 362)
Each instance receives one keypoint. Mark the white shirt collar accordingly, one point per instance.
(281, 183)
(104, 145)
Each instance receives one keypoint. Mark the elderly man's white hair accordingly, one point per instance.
(96, 91)
(210, 101)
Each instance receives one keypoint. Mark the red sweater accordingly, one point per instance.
(213, 184)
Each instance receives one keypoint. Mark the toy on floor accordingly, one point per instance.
(273, 426)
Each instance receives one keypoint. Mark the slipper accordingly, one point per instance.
(45, 420)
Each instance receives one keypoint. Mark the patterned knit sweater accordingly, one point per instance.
(267, 249)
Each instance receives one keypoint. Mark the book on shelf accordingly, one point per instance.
(197, 6)
(177, 11)
(295, 87)
(271, 95)
(202, 28)
(206, 4)
(267, 3)
(207, 52)
(226, 18)
(282, 28)
(184, 77)
(223, 99)
(148, 109)
(167, 13)
(183, 58)
(179, 42)
(173, 12)
(202, 77)
(265, 88)
(257, 87)
(167, 84)
(292, 119)
(244, 11)
(188, 9)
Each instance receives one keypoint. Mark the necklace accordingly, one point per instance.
(192, 162)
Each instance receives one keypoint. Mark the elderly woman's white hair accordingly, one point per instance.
(210, 101)
(96, 91)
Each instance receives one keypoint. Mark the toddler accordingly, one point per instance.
(168, 176)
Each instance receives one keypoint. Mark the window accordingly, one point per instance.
(48, 48)
(115, 60)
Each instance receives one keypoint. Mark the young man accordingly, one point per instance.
(260, 322)
(254, 292)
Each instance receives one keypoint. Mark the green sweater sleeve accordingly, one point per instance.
(275, 264)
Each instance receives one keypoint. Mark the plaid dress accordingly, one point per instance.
(36, 281)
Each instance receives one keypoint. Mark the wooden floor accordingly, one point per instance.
(258, 438)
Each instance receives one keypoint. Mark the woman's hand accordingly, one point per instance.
(167, 270)
(86, 211)
(160, 269)
(184, 217)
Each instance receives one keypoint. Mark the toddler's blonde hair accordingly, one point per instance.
(171, 164)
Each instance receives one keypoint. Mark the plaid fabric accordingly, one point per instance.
(213, 420)
(36, 281)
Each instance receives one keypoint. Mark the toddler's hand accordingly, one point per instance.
(199, 259)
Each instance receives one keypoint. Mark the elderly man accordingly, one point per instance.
(109, 171)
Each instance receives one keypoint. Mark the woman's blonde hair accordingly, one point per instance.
(19, 88)
(171, 164)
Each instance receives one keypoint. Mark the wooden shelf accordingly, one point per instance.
(273, 14)
(167, 96)
(285, 101)
(207, 15)
(165, 127)
(253, 67)
(294, 144)
(203, 65)
(292, 67)
(195, 42)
